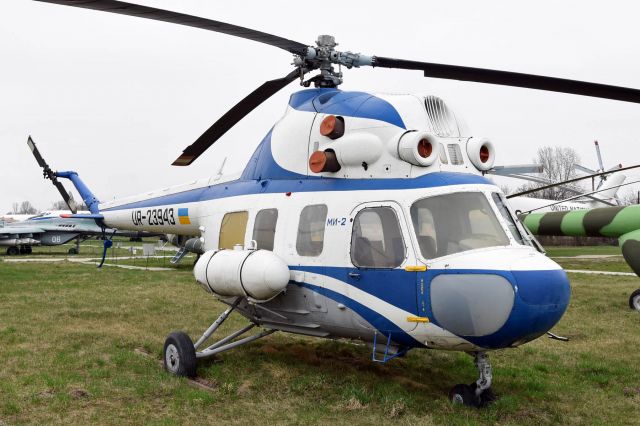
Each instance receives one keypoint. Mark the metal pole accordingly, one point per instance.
(219, 349)
(230, 337)
(213, 327)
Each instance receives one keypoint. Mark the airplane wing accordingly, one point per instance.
(13, 230)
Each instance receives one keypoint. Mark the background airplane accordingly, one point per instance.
(50, 229)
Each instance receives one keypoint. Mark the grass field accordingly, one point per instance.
(71, 339)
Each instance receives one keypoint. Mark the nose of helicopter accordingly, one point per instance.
(541, 298)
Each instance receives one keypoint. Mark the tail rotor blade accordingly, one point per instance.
(49, 174)
(36, 153)
(231, 117)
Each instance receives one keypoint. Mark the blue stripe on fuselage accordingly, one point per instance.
(541, 298)
(351, 104)
(379, 322)
(251, 187)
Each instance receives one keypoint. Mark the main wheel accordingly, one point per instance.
(28, 249)
(634, 300)
(464, 394)
(13, 251)
(179, 355)
(73, 250)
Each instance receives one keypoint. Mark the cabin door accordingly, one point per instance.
(380, 250)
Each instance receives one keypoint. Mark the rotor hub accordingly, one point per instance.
(323, 57)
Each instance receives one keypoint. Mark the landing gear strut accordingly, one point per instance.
(180, 356)
(478, 394)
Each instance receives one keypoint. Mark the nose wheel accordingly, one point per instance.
(478, 394)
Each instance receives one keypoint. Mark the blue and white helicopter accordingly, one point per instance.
(359, 216)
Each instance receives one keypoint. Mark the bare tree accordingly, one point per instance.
(630, 197)
(14, 208)
(62, 205)
(559, 165)
(24, 208)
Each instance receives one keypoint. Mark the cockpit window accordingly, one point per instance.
(453, 223)
(506, 215)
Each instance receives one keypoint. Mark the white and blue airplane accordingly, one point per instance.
(360, 216)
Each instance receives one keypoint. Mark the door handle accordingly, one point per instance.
(354, 275)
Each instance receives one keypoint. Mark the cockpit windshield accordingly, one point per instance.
(453, 223)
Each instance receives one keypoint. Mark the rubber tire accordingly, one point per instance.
(23, 250)
(486, 398)
(13, 251)
(465, 394)
(634, 295)
(28, 250)
(187, 361)
(73, 250)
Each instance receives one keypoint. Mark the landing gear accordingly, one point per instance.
(25, 250)
(13, 251)
(180, 356)
(73, 251)
(634, 300)
(478, 394)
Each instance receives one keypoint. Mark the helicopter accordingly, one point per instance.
(359, 216)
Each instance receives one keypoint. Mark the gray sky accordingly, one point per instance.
(117, 98)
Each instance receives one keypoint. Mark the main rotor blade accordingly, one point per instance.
(507, 78)
(49, 174)
(529, 191)
(153, 13)
(231, 117)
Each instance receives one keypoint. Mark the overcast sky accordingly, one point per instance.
(118, 98)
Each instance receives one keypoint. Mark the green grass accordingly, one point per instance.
(613, 265)
(89, 248)
(586, 250)
(69, 334)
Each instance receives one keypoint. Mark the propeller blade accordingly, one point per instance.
(516, 168)
(49, 174)
(584, 169)
(507, 78)
(130, 9)
(529, 191)
(231, 117)
(599, 155)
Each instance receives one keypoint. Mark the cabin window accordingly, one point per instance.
(453, 223)
(376, 241)
(506, 215)
(310, 239)
(233, 229)
(264, 229)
